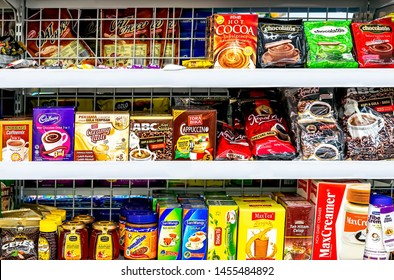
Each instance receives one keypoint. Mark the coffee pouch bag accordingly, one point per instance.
(374, 43)
(330, 44)
(281, 43)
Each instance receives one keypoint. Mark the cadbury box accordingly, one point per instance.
(16, 139)
(260, 231)
(194, 231)
(341, 217)
(298, 228)
(53, 133)
(150, 137)
(194, 133)
(102, 136)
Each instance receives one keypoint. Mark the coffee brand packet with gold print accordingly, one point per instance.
(232, 40)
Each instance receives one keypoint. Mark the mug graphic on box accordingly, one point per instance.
(364, 124)
(53, 133)
(15, 139)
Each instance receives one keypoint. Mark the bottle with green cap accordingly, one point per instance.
(47, 242)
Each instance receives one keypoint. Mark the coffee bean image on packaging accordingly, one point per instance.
(53, 133)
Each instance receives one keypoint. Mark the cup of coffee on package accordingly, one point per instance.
(52, 140)
(101, 152)
(142, 155)
(364, 124)
(17, 148)
(195, 242)
(234, 57)
(325, 152)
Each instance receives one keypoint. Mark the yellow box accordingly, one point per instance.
(222, 229)
(260, 231)
(101, 136)
(16, 139)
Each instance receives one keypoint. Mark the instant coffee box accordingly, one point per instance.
(16, 139)
(102, 136)
(53, 133)
(150, 137)
(260, 230)
(194, 133)
(340, 220)
(232, 40)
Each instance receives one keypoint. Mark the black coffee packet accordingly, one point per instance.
(281, 43)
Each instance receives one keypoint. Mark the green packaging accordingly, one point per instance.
(330, 44)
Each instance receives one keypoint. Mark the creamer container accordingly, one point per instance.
(73, 242)
(374, 248)
(387, 219)
(141, 235)
(104, 241)
(355, 222)
(47, 242)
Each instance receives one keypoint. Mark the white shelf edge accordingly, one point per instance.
(198, 170)
(195, 78)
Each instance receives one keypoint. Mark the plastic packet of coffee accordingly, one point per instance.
(368, 121)
(330, 44)
(220, 104)
(231, 145)
(52, 39)
(126, 36)
(374, 43)
(281, 43)
(159, 29)
(172, 43)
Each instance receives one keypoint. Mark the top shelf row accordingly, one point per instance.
(196, 78)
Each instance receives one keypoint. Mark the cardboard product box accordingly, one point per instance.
(169, 231)
(299, 225)
(260, 231)
(194, 231)
(194, 133)
(303, 188)
(232, 40)
(16, 139)
(102, 136)
(222, 229)
(53, 133)
(151, 137)
(340, 220)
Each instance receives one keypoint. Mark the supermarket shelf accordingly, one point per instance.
(190, 4)
(209, 78)
(199, 170)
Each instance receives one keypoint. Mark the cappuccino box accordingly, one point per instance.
(298, 227)
(102, 136)
(222, 229)
(232, 40)
(53, 133)
(194, 231)
(260, 230)
(194, 133)
(16, 139)
(341, 217)
(170, 230)
(152, 134)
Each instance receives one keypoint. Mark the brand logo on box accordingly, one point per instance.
(263, 216)
(194, 120)
(49, 118)
(218, 236)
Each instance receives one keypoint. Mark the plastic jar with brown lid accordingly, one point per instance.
(104, 241)
(73, 241)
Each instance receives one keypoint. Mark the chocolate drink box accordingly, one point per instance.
(53, 133)
(340, 220)
(15, 139)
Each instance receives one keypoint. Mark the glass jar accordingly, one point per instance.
(104, 241)
(73, 242)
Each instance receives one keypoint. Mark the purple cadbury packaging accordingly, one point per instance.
(53, 133)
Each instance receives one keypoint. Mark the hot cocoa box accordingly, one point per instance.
(16, 140)
(102, 136)
(53, 133)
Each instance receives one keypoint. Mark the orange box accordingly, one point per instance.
(232, 40)
(16, 139)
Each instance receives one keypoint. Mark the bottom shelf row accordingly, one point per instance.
(321, 220)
